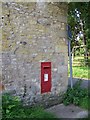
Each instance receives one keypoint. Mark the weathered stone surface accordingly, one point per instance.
(33, 33)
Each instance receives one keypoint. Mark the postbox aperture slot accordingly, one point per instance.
(46, 66)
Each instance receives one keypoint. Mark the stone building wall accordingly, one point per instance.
(33, 33)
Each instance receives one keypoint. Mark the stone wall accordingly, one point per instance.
(33, 33)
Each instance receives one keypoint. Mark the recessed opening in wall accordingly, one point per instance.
(45, 77)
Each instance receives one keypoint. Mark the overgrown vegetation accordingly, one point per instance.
(12, 109)
(77, 96)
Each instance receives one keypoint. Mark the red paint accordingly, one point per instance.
(45, 73)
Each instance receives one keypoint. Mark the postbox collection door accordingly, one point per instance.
(45, 77)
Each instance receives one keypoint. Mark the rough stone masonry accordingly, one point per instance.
(33, 33)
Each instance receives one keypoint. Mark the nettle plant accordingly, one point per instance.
(10, 104)
(76, 95)
(12, 108)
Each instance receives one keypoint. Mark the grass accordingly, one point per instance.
(80, 72)
(79, 69)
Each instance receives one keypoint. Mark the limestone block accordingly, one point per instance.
(66, 59)
(61, 48)
(62, 33)
(62, 69)
(62, 18)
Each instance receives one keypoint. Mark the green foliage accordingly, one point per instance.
(84, 10)
(76, 96)
(79, 51)
(85, 103)
(9, 104)
(12, 109)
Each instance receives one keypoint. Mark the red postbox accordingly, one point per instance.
(45, 77)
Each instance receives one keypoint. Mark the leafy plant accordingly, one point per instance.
(76, 95)
(10, 104)
(12, 108)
